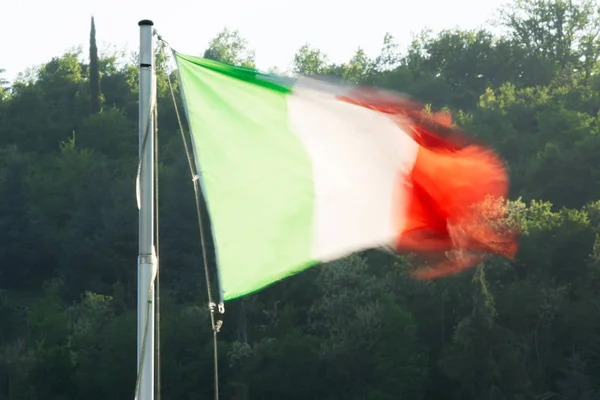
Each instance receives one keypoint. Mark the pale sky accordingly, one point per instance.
(34, 31)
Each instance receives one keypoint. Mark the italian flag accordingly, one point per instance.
(297, 172)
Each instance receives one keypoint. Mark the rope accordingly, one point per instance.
(157, 278)
(215, 323)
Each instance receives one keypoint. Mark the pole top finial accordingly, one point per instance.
(146, 22)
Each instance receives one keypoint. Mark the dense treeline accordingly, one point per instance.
(356, 329)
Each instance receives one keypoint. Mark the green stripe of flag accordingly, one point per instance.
(256, 175)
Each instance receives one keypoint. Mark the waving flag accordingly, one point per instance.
(299, 172)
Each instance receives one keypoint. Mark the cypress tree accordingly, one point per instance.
(94, 71)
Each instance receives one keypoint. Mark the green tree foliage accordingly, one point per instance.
(3, 85)
(358, 328)
(230, 47)
(94, 71)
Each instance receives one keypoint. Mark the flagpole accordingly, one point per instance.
(147, 262)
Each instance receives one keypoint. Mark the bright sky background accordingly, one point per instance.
(34, 31)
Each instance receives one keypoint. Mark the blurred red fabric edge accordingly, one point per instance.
(457, 190)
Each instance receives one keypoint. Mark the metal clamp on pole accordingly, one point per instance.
(217, 317)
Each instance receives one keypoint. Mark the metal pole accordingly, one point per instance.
(147, 262)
